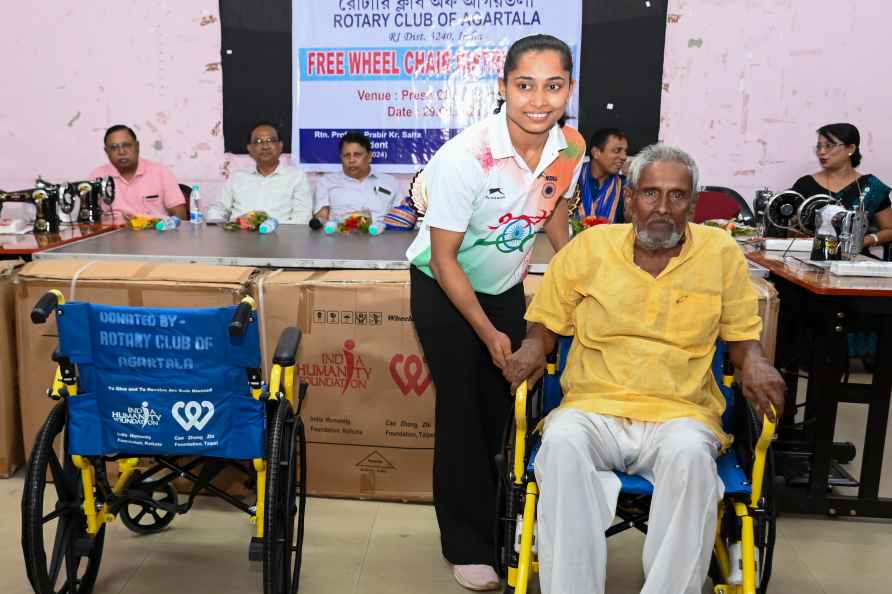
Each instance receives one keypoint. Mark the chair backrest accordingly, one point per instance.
(187, 193)
(717, 202)
(552, 392)
(161, 381)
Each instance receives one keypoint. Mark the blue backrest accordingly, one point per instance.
(161, 381)
(552, 392)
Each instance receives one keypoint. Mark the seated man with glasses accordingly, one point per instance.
(645, 303)
(357, 187)
(142, 187)
(282, 191)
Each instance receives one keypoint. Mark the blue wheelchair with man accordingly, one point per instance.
(149, 396)
(637, 332)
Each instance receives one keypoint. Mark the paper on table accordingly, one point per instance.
(14, 227)
(790, 245)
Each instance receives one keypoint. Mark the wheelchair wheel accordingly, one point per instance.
(52, 516)
(506, 518)
(285, 502)
(142, 517)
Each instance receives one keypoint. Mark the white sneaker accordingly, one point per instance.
(476, 577)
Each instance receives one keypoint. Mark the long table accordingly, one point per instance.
(291, 246)
(817, 312)
(27, 244)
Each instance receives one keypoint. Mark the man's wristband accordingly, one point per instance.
(876, 238)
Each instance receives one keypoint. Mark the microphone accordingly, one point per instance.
(315, 224)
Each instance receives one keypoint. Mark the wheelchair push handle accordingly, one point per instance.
(241, 318)
(45, 306)
(287, 347)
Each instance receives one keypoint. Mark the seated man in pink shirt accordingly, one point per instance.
(142, 187)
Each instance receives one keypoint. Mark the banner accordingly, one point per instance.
(161, 382)
(409, 73)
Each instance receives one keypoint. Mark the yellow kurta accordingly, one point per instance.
(643, 346)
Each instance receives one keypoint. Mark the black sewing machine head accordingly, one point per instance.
(776, 214)
(45, 199)
(91, 195)
(50, 199)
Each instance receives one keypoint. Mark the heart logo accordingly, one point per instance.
(193, 414)
(407, 373)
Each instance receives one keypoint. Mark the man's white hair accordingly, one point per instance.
(662, 153)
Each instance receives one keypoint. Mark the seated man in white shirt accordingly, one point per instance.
(357, 188)
(281, 191)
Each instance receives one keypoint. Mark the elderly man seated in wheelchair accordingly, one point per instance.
(645, 304)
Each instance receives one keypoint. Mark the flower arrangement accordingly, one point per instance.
(140, 222)
(250, 221)
(358, 221)
(590, 221)
(734, 228)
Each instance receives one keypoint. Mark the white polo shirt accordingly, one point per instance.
(284, 195)
(479, 185)
(344, 195)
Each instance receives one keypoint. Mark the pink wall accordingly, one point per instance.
(747, 82)
(69, 70)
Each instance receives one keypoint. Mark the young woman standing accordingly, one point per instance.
(489, 191)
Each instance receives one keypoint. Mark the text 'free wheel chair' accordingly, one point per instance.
(744, 545)
(184, 388)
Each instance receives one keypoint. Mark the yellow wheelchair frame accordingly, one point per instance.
(523, 562)
(86, 501)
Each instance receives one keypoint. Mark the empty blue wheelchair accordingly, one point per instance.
(182, 387)
(744, 544)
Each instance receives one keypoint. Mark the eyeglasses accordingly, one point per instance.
(821, 147)
(266, 140)
(121, 146)
(676, 197)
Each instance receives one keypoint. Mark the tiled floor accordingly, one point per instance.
(380, 548)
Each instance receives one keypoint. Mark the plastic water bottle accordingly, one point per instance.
(268, 226)
(195, 215)
(330, 227)
(168, 223)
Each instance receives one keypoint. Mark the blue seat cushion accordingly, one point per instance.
(732, 475)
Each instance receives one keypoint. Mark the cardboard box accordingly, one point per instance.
(11, 452)
(530, 286)
(113, 283)
(369, 411)
(769, 306)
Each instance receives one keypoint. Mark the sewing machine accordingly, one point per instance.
(838, 232)
(50, 199)
(91, 194)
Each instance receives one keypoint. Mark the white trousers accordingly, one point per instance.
(574, 469)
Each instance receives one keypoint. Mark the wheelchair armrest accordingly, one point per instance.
(760, 455)
(286, 349)
(45, 306)
(520, 435)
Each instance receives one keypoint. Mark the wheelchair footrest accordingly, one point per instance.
(796, 469)
(255, 549)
